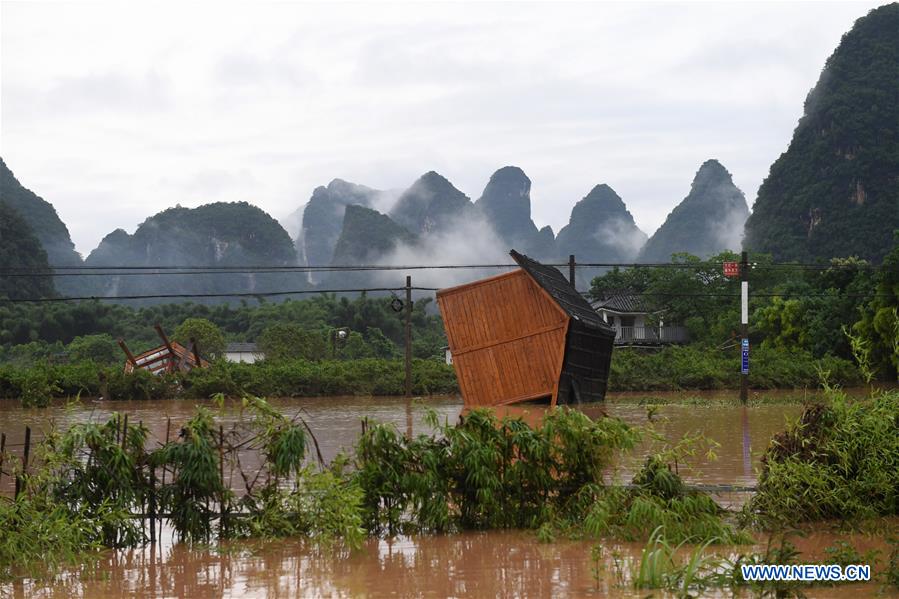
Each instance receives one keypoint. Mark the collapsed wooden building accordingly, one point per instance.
(169, 357)
(526, 335)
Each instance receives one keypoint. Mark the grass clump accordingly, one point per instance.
(658, 499)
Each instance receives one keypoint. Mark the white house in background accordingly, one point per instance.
(628, 314)
(243, 352)
(447, 354)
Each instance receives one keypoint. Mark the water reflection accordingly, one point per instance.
(471, 564)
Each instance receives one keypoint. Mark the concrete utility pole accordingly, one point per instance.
(408, 309)
(744, 327)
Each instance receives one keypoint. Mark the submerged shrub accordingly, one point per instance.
(40, 535)
(838, 460)
(658, 499)
(485, 472)
(194, 462)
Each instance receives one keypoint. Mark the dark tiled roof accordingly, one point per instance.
(242, 347)
(558, 287)
(621, 301)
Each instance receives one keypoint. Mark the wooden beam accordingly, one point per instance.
(561, 364)
(196, 352)
(547, 329)
(128, 353)
(165, 341)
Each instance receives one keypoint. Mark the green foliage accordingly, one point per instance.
(39, 536)
(878, 330)
(837, 461)
(657, 499)
(209, 337)
(693, 367)
(660, 567)
(100, 349)
(286, 341)
(485, 472)
(291, 378)
(37, 389)
(381, 328)
(790, 309)
(194, 462)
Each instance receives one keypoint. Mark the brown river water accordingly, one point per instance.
(496, 563)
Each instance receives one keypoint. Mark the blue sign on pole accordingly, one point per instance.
(745, 366)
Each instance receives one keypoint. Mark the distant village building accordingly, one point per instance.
(447, 355)
(243, 352)
(634, 322)
(526, 335)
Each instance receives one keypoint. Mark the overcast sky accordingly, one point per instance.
(115, 111)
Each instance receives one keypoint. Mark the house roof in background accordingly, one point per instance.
(624, 301)
(242, 347)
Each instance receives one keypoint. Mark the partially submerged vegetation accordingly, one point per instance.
(253, 478)
(259, 477)
(839, 460)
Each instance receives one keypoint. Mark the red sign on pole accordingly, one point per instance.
(731, 269)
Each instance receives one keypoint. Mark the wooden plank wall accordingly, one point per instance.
(507, 338)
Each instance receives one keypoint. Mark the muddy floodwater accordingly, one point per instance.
(470, 564)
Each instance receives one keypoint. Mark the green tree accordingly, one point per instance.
(101, 349)
(210, 340)
(286, 341)
(879, 326)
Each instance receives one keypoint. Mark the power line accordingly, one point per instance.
(43, 300)
(272, 269)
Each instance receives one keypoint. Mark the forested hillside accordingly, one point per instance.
(835, 191)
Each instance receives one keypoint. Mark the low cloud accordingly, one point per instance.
(624, 236)
(465, 241)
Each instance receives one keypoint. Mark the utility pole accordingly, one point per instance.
(744, 328)
(571, 265)
(408, 308)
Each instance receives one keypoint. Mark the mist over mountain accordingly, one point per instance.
(21, 249)
(219, 235)
(710, 219)
(431, 204)
(41, 216)
(835, 191)
(506, 206)
(323, 219)
(366, 236)
(600, 229)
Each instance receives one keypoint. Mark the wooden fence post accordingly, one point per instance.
(2, 451)
(222, 525)
(20, 477)
(152, 504)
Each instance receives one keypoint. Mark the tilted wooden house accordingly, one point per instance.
(526, 335)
